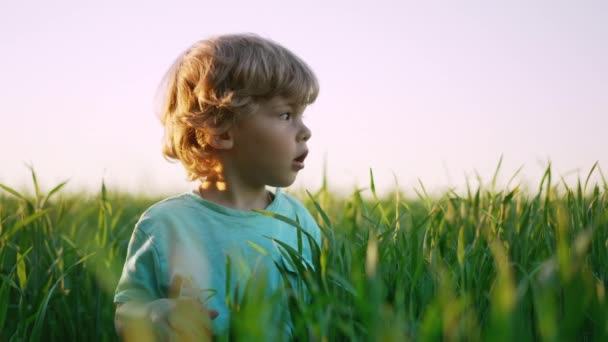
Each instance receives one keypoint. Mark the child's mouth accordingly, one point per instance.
(298, 163)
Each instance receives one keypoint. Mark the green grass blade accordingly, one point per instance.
(322, 212)
(257, 247)
(372, 184)
(495, 177)
(52, 192)
(41, 313)
(22, 223)
(35, 182)
(12, 191)
(589, 176)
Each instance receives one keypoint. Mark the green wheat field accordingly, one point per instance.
(485, 264)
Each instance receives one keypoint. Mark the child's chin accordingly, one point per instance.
(283, 183)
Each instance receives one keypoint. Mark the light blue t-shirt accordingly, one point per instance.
(191, 237)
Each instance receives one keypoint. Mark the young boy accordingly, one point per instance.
(233, 118)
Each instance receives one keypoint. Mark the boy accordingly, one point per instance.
(233, 118)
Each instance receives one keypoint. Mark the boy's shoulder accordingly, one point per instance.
(167, 210)
(295, 203)
(291, 199)
(300, 210)
(171, 205)
(304, 215)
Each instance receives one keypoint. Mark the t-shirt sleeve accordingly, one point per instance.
(142, 271)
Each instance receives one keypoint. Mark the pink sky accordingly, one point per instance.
(430, 92)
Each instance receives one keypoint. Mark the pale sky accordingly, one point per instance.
(420, 90)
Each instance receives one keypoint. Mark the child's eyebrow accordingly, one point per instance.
(292, 106)
(283, 105)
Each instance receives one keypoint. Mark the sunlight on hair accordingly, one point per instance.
(215, 179)
(219, 185)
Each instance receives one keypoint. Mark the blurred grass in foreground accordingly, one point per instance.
(489, 264)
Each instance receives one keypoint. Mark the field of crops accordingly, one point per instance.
(486, 264)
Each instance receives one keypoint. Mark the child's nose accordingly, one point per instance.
(305, 133)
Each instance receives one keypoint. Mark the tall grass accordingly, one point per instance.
(486, 264)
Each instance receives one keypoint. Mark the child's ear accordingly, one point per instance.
(222, 141)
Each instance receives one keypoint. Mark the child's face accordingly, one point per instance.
(270, 144)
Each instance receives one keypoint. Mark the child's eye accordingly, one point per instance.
(286, 116)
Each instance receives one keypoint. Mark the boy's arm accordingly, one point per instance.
(140, 287)
(183, 319)
(130, 322)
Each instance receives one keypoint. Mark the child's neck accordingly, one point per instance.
(236, 198)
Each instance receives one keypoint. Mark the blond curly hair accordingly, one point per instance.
(218, 80)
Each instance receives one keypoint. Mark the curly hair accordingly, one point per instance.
(218, 80)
